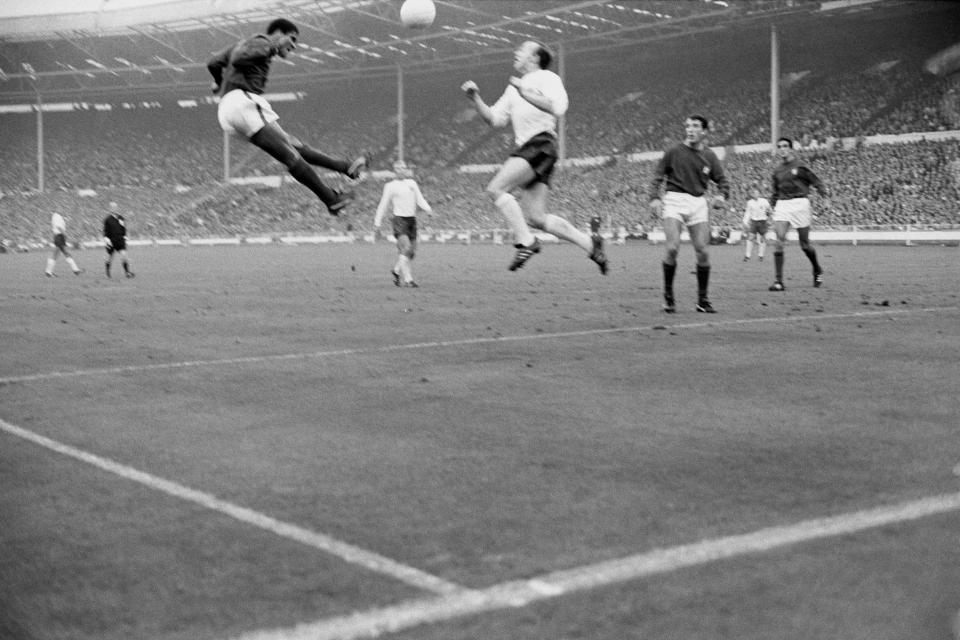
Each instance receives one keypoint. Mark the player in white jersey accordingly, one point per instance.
(532, 103)
(59, 227)
(756, 217)
(403, 198)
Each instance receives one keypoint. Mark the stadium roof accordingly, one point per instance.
(85, 48)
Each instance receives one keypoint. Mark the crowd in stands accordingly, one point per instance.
(165, 165)
(911, 183)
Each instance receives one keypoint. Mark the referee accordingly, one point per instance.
(115, 239)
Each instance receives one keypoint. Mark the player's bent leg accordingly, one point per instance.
(273, 140)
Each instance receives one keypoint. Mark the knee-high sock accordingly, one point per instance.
(511, 210)
(761, 246)
(73, 264)
(703, 280)
(812, 257)
(320, 159)
(669, 270)
(50, 264)
(305, 175)
(562, 229)
(406, 273)
(778, 265)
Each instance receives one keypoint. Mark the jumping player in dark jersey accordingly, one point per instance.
(239, 77)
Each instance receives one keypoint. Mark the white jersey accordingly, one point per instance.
(405, 196)
(58, 224)
(527, 120)
(757, 209)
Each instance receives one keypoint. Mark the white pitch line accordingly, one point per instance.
(520, 593)
(53, 375)
(347, 552)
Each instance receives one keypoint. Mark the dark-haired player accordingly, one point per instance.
(532, 103)
(686, 169)
(791, 207)
(239, 77)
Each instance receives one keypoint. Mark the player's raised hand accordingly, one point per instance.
(470, 88)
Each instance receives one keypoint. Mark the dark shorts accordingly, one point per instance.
(60, 242)
(758, 226)
(541, 153)
(405, 226)
(117, 245)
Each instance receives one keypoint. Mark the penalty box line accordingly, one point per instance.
(346, 552)
(187, 364)
(374, 623)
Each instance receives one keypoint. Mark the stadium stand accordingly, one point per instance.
(164, 163)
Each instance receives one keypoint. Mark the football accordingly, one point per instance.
(418, 14)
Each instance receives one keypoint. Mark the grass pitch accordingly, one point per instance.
(485, 428)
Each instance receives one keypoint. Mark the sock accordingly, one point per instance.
(703, 279)
(404, 267)
(812, 256)
(126, 267)
(106, 266)
(778, 264)
(595, 222)
(559, 227)
(510, 209)
(73, 264)
(319, 159)
(748, 249)
(305, 175)
(760, 247)
(669, 270)
(50, 263)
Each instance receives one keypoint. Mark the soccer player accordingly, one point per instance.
(791, 207)
(59, 227)
(403, 197)
(532, 102)
(756, 216)
(686, 170)
(239, 77)
(115, 239)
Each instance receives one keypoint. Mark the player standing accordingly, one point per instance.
(115, 239)
(402, 195)
(791, 207)
(687, 169)
(756, 216)
(239, 77)
(532, 103)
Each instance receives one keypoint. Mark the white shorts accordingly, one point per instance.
(796, 211)
(684, 207)
(244, 112)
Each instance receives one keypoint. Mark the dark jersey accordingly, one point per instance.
(114, 228)
(689, 170)
(793, 180)
(244, 66)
